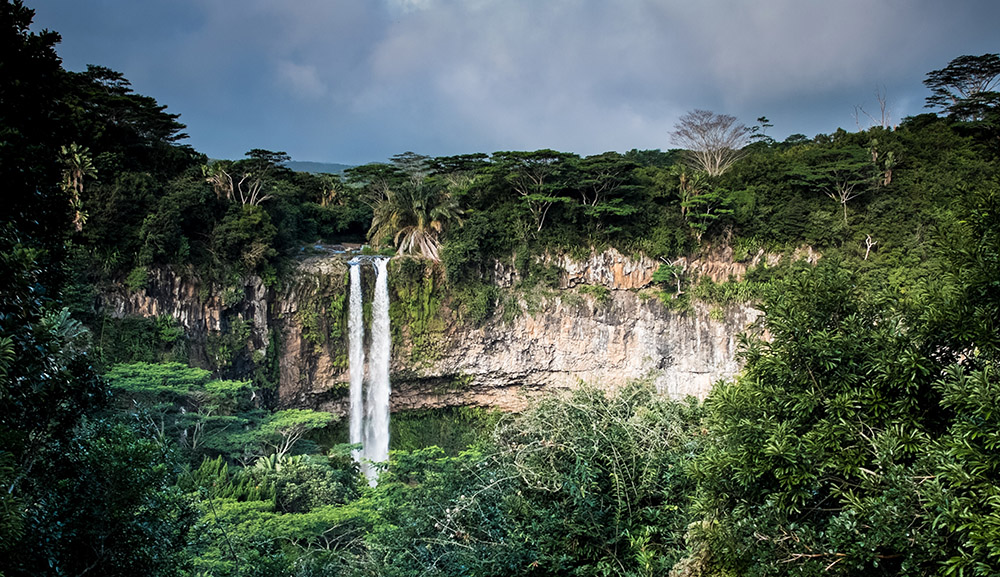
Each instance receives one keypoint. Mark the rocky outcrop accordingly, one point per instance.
(598, 327)
(610, 269)
(312, 358)
(717, 262)
(203, 310)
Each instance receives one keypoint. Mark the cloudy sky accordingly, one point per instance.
(355, 81)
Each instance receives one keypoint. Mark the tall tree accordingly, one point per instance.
(536, 178)
(416, 166)
(125, 131)
(77, 165)
(842, 173)
(966, 88)
(713, 142)
(374, 180)
(606, 183)
(32, 118)
(252, 176)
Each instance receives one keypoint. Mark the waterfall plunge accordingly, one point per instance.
(377, 406)
(356, 358)
(370, 417)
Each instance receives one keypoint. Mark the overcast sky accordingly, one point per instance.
(355, 81)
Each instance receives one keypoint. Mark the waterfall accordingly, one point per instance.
(369, 410)
(377, 405)
(356, 358)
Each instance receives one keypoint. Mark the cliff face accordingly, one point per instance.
(599, 326)
(606, 341)
(205, 312)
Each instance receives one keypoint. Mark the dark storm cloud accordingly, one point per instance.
(353, 80)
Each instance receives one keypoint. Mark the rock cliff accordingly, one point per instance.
(599, 323)
(608, 341)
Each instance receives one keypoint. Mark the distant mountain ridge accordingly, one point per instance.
(317, 167)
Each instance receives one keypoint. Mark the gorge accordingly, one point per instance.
(601, 322)
(195, 372)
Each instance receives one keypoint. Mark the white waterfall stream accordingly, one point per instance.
(369, 424)
(356, 359)
(377, 405)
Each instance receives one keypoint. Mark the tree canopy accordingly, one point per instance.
(966, 88)
(712, 142)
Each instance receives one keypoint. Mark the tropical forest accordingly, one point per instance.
(736, 356)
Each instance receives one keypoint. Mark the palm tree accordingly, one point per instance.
(414, 214)
(77, 165)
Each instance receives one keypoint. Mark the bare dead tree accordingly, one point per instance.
(869, 244)
(884, 119)
(220, 179)
(843, 191)
(712, 142)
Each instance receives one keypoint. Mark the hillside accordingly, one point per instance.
(316, 167)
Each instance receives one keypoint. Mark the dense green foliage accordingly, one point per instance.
(589, 484)
(206, 416)
(83, 490)
(816, 444)
(860, 438)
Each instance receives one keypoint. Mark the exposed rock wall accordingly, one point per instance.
(610, 269)
(560, 337)
(197, 306)
(607, 342)
(716, 262)
(312, 359)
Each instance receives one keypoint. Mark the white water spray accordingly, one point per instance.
(369, 424)
(376, 443)
(356, 358)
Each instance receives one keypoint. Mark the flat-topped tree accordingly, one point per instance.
(606, 183)
(967, 87)
(842, 173)
(282, 430)
(182, 403)
(246, 180)
(415, 166)
(458, 173)
(537, 177)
